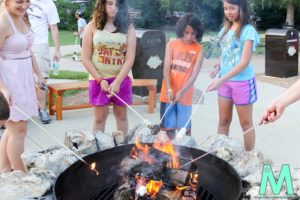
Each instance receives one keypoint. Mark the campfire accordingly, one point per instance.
(150, 171)
(154, 173)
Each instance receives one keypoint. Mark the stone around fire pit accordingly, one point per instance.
(19, 185)
(56, 159)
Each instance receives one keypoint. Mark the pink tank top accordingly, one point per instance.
(16, 46)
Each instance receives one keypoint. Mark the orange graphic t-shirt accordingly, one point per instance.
(182, 59)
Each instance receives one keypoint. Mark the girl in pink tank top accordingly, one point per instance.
(17, 66)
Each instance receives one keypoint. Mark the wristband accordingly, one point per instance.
(99, 79)
(170, 90)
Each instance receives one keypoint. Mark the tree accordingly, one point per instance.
(290, 13)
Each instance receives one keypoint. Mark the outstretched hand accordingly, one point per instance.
(273, 112)
(214, 85)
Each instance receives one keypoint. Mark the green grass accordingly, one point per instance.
(65, 38)
(65, 74)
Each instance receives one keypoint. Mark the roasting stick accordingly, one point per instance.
(166, 111)
(147, 122)
(194, 160)
(57, 140)
(182, 131)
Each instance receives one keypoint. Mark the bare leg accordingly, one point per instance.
(120, 113)
(171, 134)
(100, 117)
(225, 115)
(15, 143)
(5, 165)
(245, 117)
(41, 94)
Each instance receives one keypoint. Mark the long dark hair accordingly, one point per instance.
(244, 17)
(121, 21)
(191, 20)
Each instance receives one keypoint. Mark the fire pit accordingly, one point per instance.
(215, 178)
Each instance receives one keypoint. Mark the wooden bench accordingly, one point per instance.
(58, 90)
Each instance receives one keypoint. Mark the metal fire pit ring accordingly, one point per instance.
(79, 182)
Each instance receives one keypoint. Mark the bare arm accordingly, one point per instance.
(244, 62)
(87, 50)
(194, 75)
(167, 67)
(276, 108)
(5, 31)
(130, 55)
(55, 36)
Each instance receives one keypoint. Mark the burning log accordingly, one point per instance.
(124, 192)
(169, 195)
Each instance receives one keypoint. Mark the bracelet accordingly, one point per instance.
(170, 90)
(99, 79)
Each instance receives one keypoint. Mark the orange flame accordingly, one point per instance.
(169, 149)
(144, 149)
(153, 187)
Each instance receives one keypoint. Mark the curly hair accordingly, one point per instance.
(244, 17)
(121, 21)
(191, 20)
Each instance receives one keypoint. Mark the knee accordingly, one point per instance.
(225, 121)
(246, 123)
(121, 115)
(100, 119)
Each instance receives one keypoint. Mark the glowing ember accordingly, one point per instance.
(93, 168)
(153, 187)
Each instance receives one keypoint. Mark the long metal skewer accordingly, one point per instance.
(130, 107)
(51, 135)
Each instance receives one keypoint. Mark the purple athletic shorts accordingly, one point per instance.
(99, 97)
(241, 92)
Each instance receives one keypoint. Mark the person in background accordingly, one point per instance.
(183, 62)
(237, 83)
(81, 23)
(108, 52)
(42, 15)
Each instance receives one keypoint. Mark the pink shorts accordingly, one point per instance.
(240, 92)
(99, 97)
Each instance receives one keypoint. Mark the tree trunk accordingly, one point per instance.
(290, 13)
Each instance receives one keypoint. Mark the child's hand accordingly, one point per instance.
(214, 85)
(215, 71)
(170, 96)
(104, 85)
(114, 88)
(273, 112)
(179, 94)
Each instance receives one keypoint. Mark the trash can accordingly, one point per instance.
(281, 52)
(149, 58)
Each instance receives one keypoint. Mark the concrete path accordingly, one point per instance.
(279, 141)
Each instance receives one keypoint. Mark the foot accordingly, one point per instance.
(44, 116)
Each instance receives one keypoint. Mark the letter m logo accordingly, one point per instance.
(276, 185)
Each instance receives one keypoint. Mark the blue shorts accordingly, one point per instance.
(176, 117)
